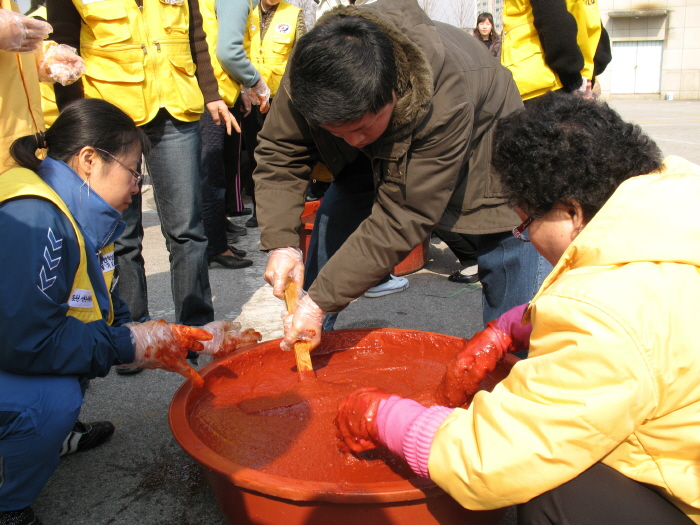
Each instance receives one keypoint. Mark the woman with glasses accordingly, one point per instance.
(601, 424)
(61, 318)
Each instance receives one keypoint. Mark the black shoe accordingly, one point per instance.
(236, 251)
(25, 516)
(243, 212)
(129, 371)
(236, 230)
(230, 262)
(252, 222)
(87, 436)
(232, 238)
(459, 277)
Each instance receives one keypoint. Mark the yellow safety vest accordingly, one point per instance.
(49, 108)
(140, 61)
(20, 100)
(270, 55)
(522, 51)
(82, 304)
(229, 89)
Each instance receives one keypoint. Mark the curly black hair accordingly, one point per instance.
(562, 148)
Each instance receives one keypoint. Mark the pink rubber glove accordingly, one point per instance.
(21, 34)
(259, 95)
(480, 355)
(305, 325)
(283, 264)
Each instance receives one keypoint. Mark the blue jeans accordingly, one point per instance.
(173, 165)
(510, 271)
(36, 415)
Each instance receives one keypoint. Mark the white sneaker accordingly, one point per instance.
(393, 285)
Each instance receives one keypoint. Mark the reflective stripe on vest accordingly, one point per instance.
(82, 303)
(140, 61)
(270, 56)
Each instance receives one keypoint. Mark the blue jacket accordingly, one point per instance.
(37, 336)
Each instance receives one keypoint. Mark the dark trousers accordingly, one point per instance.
(601, 496)
(463, 245)
(250, 127)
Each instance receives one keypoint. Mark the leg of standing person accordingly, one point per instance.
(36, 415)
(601, 495)
(511, 272)
(250, 127)
(464, 246)
(173, 164)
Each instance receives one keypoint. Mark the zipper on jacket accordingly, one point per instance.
(157, 46)
(143, 47)
(153, 63)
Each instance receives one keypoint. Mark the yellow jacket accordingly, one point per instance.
(20, 99)
(522, 50)
(614, 366)
(270, 55)
(140, 61)
(229, 89)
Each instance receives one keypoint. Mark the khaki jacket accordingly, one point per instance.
(614, 364)
(431, 167)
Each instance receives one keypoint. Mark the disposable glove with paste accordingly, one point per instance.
(21, 34)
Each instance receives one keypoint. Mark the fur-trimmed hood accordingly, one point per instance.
(414, 82)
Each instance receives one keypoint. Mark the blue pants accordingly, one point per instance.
(36, 415)
(511, 271)
(173, 165)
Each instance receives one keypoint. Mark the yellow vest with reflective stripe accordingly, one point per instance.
(140, 61)
(522, 51)
(228, 88)
(270, 56)
(21, 182)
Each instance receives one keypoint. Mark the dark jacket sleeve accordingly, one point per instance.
(603, 53)
(557, 30)
(39, 264)
(65, 20)
(200, 55)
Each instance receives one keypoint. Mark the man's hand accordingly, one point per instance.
(21, 34)
(284, 264)
(259, 95)
(219, 111)
(305, 325)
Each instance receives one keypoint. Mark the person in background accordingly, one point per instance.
(553, 45)
(486, 33)
(465, 248)
(402, 110)
(61, 316)
(21, 39)
(220, 163)
(133, 50)
(601, 424)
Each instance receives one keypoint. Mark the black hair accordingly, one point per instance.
(493, 35)
(86, 122)
(563, 147)
(342, 69)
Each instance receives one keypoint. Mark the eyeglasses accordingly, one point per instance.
(137, 175)
(519, 231)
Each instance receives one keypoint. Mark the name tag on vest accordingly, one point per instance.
(107, 262)
(80, 299)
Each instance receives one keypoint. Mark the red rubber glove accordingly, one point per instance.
(480, 355)
(357, 419)
(160, 344)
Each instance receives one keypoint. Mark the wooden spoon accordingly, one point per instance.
(301, 348)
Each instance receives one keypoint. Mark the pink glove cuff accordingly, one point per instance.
(419, 438)
(394, 416)
(511, 323)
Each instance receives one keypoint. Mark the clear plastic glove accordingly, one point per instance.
(304, 325)
(21, 34)
(61, 64)
(226, 337)
(160, 344)
(357, 419)
(480, 355)
(283, 264)
(259, 95)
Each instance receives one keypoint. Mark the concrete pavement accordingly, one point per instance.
(141, 476)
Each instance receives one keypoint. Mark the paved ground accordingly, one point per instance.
(141, 476)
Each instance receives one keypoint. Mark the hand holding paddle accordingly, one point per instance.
(305, 330)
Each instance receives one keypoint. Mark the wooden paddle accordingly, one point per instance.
(301, 348)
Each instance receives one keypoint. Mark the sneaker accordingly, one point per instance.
(86, 436)
(25, 516)
(393, 285)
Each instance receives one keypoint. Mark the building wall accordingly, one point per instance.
(679, 30)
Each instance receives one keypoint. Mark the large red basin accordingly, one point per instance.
(281, 466)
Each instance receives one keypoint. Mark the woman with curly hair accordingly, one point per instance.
(601, 424)
(486, 32)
